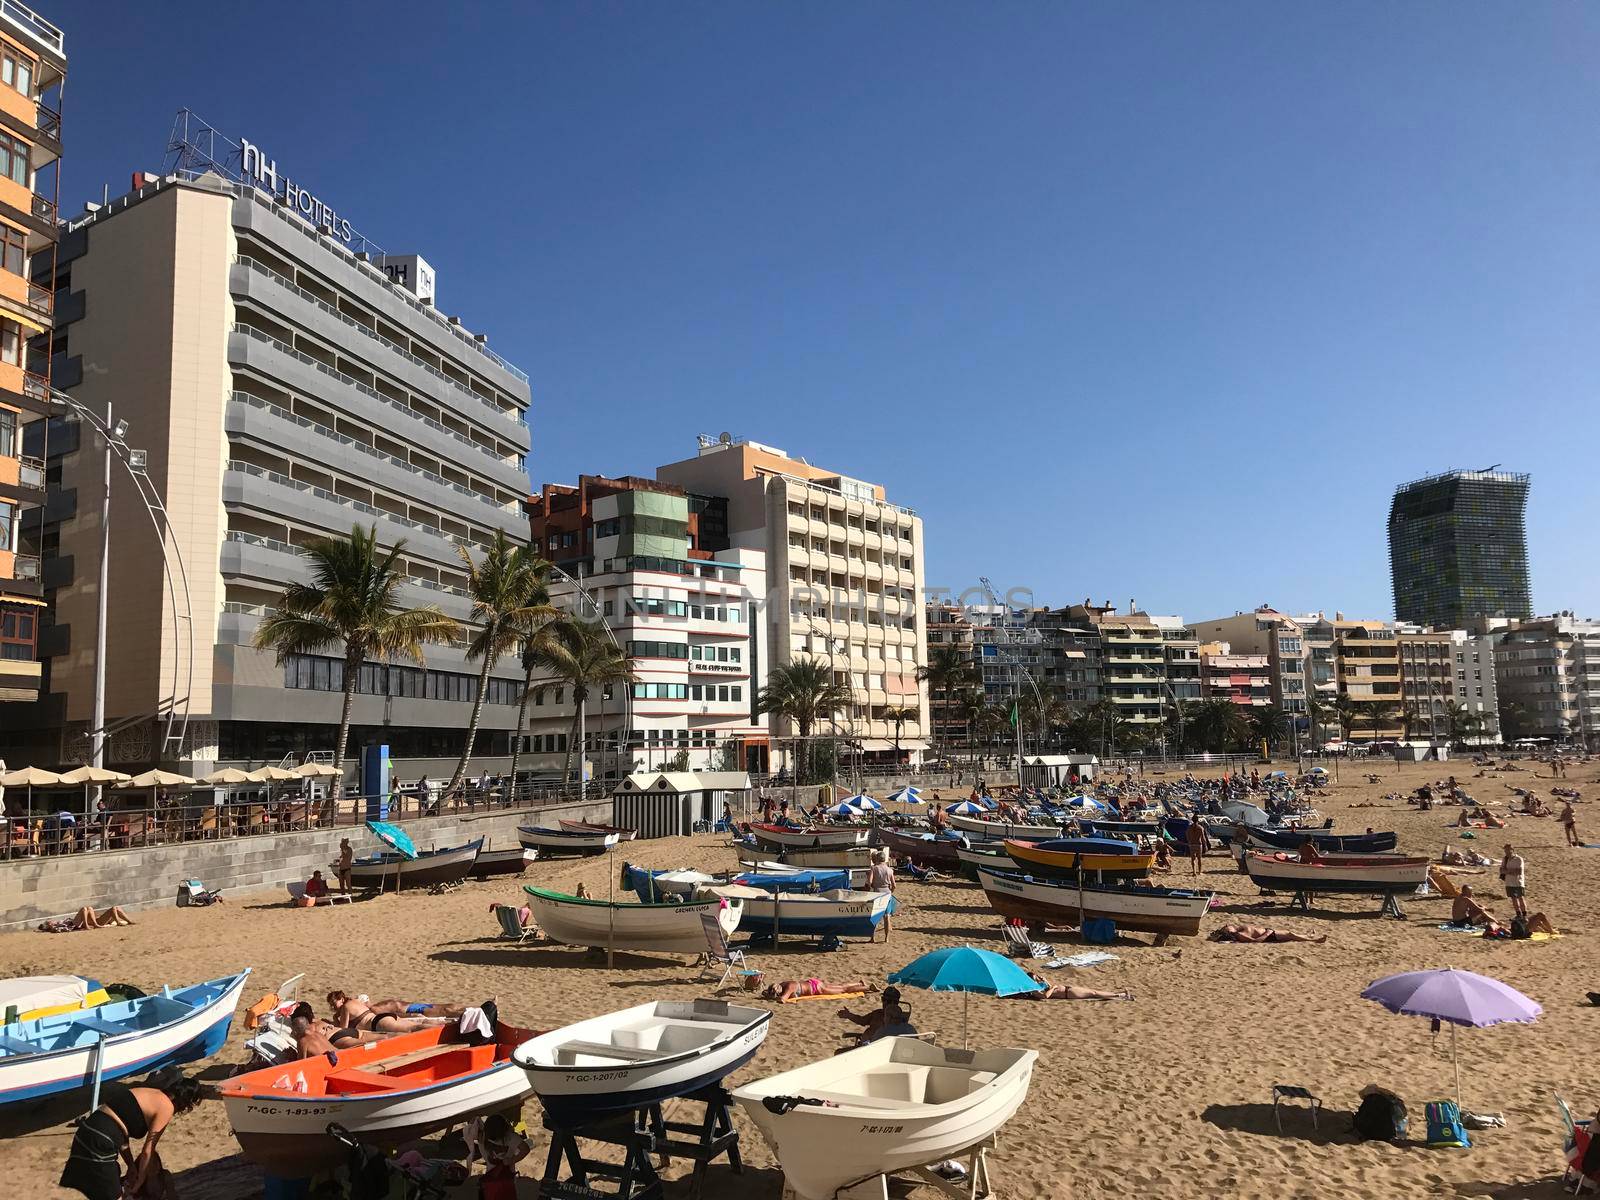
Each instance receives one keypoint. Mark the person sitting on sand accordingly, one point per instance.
(1163, 860)
(1260, 933)
(1532, 924)
(1066, 991)
(87, 918)
(339, 1001)
(786, 990)
(896, 1023)
(363, 1017)
(1466, 911)
(314, 1037)
(876, 1019)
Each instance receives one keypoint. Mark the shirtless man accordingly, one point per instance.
(1260, 933)
(361, 1016)
(347, 860)
(1199, 842)
(1465, 911)
(319, 1037)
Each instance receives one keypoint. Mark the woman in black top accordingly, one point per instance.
(106, 1134)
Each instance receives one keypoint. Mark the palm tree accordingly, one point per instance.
(970, 703)
(532, 635)
(508, 598)
(351, 605)
(898, 717)
(1322, 713)
(947, 673)
(581, 655)
(1515, 720)
(1461, 723)
(1348, 713)
(804, 692)
(1269, 724)
(1379, 713)
(1219, 725)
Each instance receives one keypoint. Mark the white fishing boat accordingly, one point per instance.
(889, 1106)
(386, 1094)
(46, 995)
(1356, 874)
(994, 831)
(840, 913)
(624, 833)
(393, 870)
(638, 1056)
(814, 837)
(551, 843)
(852, 857)
(669, 928)
(1060, 903)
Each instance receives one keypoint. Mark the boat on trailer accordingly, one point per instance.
(639, 1056)
(1355, 874)
(392, 870)
(1057, 902)
(841, 913)
(556, 843)
(61, 1053)
(892, 1105)
(623, 832)
(982, 854)
(1270, 839)
(386, 1094)
(672, 927)
(852, 857)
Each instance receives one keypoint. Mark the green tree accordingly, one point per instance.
(1323, 713)
(1347, 712)
(1219, 726)
(1515, 720)
(897, 717)
(970, 703)
(804, 692)
(532, 632)
(1379, 715)
(582, 655)
(351, 606)
(948, 673)
(509, 599)
(1269, 724)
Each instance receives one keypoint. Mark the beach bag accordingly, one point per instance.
(1381, 1117)
(1519, 928)
(1099, 931)
(1445, 1131)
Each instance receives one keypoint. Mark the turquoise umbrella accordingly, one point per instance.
(966, 969)
(394, 837)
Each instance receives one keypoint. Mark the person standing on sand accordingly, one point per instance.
(347, 860)
(1569, 823)
(1514, 874)
(1199, 842)
(880, 878)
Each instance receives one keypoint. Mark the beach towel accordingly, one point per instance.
(1445, 1131)
(1087, 958)
(1450, 927)
(835, 996)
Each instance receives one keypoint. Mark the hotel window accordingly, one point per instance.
(10, 340)
(8, 433)
(14, 158)
(16, 72)
(8, 525)
(13, 250)
(16, 635)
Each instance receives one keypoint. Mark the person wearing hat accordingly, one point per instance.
(873, 1023)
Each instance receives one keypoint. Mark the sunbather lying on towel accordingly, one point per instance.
(86, 918)
(1534, 923)
(363, 1015)
(789, 989)
(398, 1008)
(1260, 933)
(1066, 991)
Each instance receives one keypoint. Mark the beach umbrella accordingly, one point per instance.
(866, 803)
(157, 778)
(30, 778)
(1088, 803)
(966, 808)
(87, 775)
(906, 795)
(394, 837)
(272, 775)
(228, 777)
(966, 969)
(312, 770)
(1455, 997)
(842, 809)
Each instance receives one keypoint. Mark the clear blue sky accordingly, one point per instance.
(1127, 299)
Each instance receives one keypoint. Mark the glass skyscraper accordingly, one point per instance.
(1458, 548)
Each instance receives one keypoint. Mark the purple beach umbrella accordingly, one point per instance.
(1457, 997)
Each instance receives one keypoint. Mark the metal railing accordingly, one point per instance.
(25, 566)
(30, 471)
(136, 819)
(48, 120)
(44, 208)
(33, 23)
(282, 547)
(343, 439)
(41, 299)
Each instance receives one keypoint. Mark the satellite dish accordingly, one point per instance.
(725, 438)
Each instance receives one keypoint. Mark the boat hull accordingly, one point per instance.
(661, 928)
(853, 857)
(1035, 860)
(1339, 843)
(557, 843)
(1121, 828)
(815, 838)
(995, 831)
(1053, 902)
(853, 1137)
(496, 863)
(853, 914)
(391, 872)
(925, 850)
(1353, 875)
(575, 1093)
(186, 1037)
(285, 1131)
(984, 854)
(624, 834)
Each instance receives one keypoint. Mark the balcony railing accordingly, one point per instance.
(44, 209)
(41, 299)
(35, 387)
(35, 24)
(48, 122)
(31, 472)
(26, 566)
(282, 547)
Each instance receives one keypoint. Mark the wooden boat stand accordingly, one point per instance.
(644, 1135)
(1390, 907)
(974, 1187)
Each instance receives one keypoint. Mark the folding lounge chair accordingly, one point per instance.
(718, 952)
(511, 929)
(1574, 1151)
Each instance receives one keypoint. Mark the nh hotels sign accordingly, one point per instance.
(263, 172)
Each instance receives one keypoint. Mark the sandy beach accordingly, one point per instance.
(1166, 1096)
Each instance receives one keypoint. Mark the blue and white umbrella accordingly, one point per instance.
(966, 808)
(866, 803)
(843, 809)
(906, 795)
(1089, 803)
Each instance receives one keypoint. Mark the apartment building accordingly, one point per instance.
(1367, 670)
(33, 67)
(1441, 668)
(948, 628)
(1242, 679)
(1133, 656)
(1071, 653)
(1547, 671)
(1181, 659)
(282, 387)
(1290, 657)
(683, 606)
(845, 580)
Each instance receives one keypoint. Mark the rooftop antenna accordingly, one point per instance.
(725, 438)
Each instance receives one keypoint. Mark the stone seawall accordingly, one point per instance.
(36, 889)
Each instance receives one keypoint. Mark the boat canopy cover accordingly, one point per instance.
(798, 881)
(43, 991)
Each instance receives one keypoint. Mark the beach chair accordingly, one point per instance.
(1574, 1149)
(718, 952)
(1017, 943)
(297, 893)
(511, 929)
(1287, 1091)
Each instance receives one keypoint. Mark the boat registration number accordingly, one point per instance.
(882, 1128)
(276, 1110)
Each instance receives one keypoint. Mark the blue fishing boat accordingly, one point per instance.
(814, 915)
(652, 886)
(64, 1052)
(1335, 843)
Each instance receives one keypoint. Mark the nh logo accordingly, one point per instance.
(256, 165)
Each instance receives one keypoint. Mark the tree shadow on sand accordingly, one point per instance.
(1332, 1127)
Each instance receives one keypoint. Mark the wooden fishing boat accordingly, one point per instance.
(638, 1056)
(34, 996)
(840, 913)
(1066, 857)
(1057, 902)
(386, 1094)
(891, 1105)
(494, 863)
(924, 849)
(557, 843)
(996, 831)
(811, 837)
(393, 871)
(128, 1037)
(852, 857)
(1363, 875)
(1270, 839)
(623, 832)
(982, 854)
(653, 886)
(1120, 828)
(671, 927)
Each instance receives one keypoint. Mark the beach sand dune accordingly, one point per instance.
(1167, 1096)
